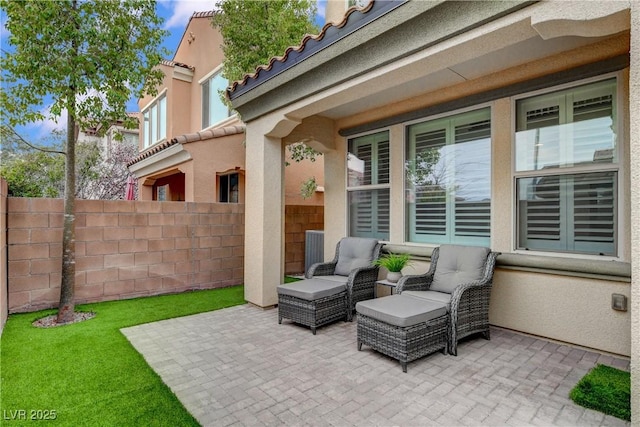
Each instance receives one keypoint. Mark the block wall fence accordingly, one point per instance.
(3, 254)
(128, 249)
(299, 219)
(124, 249)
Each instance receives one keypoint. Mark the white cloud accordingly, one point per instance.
(181, 11)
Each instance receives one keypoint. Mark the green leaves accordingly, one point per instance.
(255, 31)
(88, 57)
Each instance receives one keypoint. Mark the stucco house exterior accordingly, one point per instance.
(191, 144)
(513, 125)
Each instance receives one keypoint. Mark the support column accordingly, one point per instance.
(264, 210)
(634, 143)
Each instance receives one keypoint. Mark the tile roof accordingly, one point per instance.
(187, 138)
(354, 19)
(205, 14)
(176, 64)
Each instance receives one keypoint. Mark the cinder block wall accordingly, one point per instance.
(3, 254)
(124, 249)
(299, 219)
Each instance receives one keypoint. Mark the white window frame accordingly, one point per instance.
(368, 187)
(211, 121)
(617, 167)
(154, 108)
(407, 211)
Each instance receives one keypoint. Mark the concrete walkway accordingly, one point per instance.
(237, 366)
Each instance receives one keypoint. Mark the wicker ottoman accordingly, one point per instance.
(402, 327)
(312, 302)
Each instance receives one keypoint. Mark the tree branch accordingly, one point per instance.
(24, 141)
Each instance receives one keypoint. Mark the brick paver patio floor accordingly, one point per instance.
(237, 366)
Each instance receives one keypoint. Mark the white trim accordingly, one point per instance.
(150, 103)
(617, 167)
(488, 104)
(223, 123)
(210, 74)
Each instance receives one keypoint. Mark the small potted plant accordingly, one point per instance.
(394, 263)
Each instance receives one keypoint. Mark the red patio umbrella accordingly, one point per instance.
(131, 189)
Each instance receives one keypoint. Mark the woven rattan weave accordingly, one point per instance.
(312, 313)
(404, 344)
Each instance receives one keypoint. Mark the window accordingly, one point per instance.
(162, 192)
(155, 121)
(213, 109)
(566, 170)
(448, 179)
(229, 188)
(368, 186)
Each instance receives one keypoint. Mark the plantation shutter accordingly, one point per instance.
(431, 205)
(574, 211)
(370, 208)
(450, 176)
(473, 217)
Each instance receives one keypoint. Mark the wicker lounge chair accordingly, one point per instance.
(459, 277)
(331, 290)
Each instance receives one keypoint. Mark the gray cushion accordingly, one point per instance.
(311, 289)
(457, 265)
(401, 310)
(439, 297)
(354, 252)
(339, 279)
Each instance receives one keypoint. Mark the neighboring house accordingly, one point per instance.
(504, 124)
(191, 144)
(115, 134)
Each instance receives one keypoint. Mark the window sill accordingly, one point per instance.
(590, 268)
(563, 266)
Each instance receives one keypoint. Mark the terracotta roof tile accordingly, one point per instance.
(175, 64)
(205, 14)
(280, 60)
(187, 138)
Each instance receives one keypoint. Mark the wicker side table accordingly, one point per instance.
(402, 327)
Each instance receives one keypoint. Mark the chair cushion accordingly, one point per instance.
(354, 252)
(457, 265)
(334, 278)
(401, 310)
(311, 289)
(439, 297)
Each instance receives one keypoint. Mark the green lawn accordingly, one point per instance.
(605, 389)
(87, 374)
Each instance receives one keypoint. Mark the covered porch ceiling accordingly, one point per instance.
(394, 90)
(513, 40)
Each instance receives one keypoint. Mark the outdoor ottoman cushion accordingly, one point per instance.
(311, 289)
(401, 310)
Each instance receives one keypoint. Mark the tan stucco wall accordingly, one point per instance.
(634, 103)
(564, 308)
(211, 156)
(334, 10)
(199, 48)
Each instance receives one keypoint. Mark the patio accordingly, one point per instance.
(237, 366)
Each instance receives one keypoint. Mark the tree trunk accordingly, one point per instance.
(67, 289)
(66, 307)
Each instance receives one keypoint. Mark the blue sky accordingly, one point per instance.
(176, 14)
